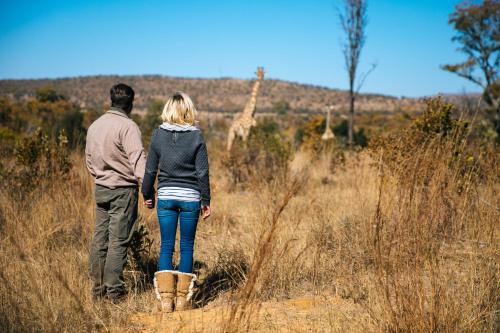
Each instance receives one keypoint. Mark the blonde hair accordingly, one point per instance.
(179, 109)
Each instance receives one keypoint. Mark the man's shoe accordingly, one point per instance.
(98, 294)
(116, 298)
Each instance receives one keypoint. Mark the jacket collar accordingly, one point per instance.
(178, 127)
(118, 112)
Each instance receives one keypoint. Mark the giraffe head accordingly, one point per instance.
(260, 73)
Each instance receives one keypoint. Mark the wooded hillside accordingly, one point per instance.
(223, 95)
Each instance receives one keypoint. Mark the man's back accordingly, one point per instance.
(114, 152)
(115, 158)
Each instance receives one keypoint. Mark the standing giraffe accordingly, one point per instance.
(328, 135)
(244, 121)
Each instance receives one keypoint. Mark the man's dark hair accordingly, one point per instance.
(122, 96)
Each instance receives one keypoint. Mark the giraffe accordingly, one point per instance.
(245, 120)
(328, 135)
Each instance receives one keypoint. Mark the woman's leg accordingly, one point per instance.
(189, 214)
(168, 214)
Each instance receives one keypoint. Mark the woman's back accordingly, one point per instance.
(180, 154)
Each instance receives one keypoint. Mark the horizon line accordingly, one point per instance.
(240, 78)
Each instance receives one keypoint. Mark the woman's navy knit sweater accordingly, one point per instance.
(182, 160)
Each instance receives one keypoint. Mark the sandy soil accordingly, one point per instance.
(307, 314)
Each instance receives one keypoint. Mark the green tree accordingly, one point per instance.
(478, 32)
(90, 116)
(71, 123)
(341, 131)
(48, 94)
(54, 113)
(151, 119)
(281, 107)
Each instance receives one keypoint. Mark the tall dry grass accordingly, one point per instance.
(43, 258)
(434, 234)
(413, 244)
(410, 232)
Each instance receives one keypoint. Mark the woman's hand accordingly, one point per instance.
(149, 203)
(205, 212)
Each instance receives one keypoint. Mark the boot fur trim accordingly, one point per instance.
(191, 285)
(157, 291)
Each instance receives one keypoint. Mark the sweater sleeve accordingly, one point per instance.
(132, 145)
(88, 161)
(202, 172)
(151, 169)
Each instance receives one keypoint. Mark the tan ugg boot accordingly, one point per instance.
(185, 285)
(164, 282)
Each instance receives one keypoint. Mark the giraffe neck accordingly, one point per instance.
(250, 106)
(328, 118)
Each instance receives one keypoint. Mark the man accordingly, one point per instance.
(115, 158)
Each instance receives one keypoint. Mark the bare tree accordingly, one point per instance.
(353, 19)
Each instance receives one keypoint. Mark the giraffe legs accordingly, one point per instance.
(230, 139)
(245, 132)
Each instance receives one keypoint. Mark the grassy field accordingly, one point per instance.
(403, 235)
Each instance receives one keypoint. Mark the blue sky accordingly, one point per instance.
(294, 40)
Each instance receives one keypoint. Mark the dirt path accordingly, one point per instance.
(307, 314)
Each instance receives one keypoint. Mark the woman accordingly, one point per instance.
(178, 148)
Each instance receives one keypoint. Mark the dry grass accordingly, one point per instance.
(435, 242)
(419, 255)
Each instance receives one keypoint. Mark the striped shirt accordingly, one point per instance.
(178, 193)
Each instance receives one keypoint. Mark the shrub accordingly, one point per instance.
(310, 134)
(264, 157)
(7, 141)
(48, 94)
(39, 161)
(227, 274)
(51, 112)
(71, 123)
(281, 108)
(90, 116)
(341, 131)
(12, 116)
(434, 128)
(141, 263)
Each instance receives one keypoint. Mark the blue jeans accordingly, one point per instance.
(169, 212)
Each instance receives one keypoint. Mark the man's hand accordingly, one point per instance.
(205, 212)
(149, 203)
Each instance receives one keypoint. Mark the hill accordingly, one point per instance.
(222, 95)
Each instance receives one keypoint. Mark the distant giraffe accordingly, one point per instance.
(245, 120)
(328, 135)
